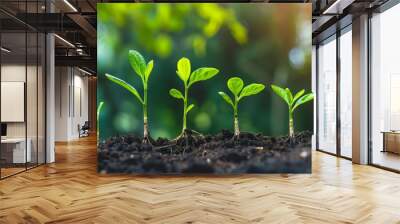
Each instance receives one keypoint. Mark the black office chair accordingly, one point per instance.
(84, 130)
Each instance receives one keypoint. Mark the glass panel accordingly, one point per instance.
(327, 96)
(314, 90)
(385, 84)
(32, 84)
(346, 94)
(31, 99)
(13, 86)
(23, 90)
(41, 99)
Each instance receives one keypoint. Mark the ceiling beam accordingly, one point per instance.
(86, 26)
(79, 61)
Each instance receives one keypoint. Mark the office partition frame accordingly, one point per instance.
(43, 54)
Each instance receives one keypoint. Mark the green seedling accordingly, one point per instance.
(235, 85)
(98, 118)
(292, 101)
(143, 70)
(189, 78)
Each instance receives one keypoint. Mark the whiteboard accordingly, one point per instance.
(12, 101)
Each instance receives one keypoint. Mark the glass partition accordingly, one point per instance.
(327, 96)
(32, 98)
(13, 94)
(22, 101)
(41, 91)
(346, 92)
(385, 89)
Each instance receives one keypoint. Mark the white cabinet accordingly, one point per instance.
(19, 155)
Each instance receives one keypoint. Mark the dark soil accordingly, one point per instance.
(197, 154)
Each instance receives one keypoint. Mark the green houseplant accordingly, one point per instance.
(235, 85)
(292, 101)
(189, 78)
(143, 70)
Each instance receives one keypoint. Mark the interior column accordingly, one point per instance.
(50, 92)
(360, 90)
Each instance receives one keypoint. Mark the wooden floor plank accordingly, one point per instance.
(70, 191)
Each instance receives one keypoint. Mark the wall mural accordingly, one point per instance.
(219, 88)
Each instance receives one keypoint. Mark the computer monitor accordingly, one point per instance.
(3, 129)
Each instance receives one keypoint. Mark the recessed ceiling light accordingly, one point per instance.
(70, 5)
(337, 7)
(5, 50)
(84, 71)
(64, 40)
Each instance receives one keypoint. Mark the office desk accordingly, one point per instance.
(13, 150)
(391, 141)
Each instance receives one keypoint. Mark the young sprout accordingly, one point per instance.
(98, 118)
(189, 78)
(143, 70)
(235, 85)
(292, 101)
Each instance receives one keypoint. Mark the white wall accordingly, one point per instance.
(17, 73)
(13, 73)
(62, 81)
(71, 102)
(33, 127)
(80, 110)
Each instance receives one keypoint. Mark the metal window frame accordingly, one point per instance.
(339, 32)
(386, 6)
(381, 9)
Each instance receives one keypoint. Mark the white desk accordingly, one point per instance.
(18, 144)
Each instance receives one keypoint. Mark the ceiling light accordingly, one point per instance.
(5, 50)
(70, 5)
(337, 7)
(64, 40)
(334, 5)
(84, 71)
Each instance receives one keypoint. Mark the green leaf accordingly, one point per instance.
(251, 89)
(149, 68)
(184, 69)
(99, 109)
(189, 108)
(137, 63)
(303, 99)
(226, 98)
(176, 93)
(280, 92)
(126, 85)
(235, 85)
(298, 95)
(289, 94)
(202, 74)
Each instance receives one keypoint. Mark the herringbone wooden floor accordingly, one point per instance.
(70, 191)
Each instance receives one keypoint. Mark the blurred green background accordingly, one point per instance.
(259, 42)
